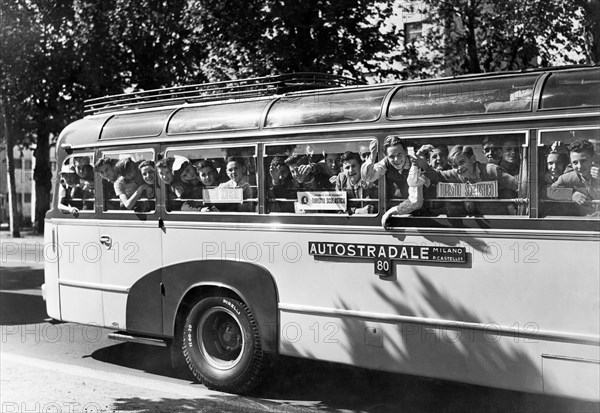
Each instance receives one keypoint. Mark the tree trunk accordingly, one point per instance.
(472, 56)
(42, 175)
(7, 131)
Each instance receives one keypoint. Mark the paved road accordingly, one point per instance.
(72, 368)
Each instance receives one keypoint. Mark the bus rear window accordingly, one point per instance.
(327, 107)
(571, 89)
(463, 98)
(217, 117)
(135, 125)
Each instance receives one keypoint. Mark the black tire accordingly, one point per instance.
(221, 345)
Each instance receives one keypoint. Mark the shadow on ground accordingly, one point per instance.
(20, 299)
(297, 385)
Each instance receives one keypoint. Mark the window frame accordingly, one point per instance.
(99, 180)
(541, 144)
(164, 150)
(468, 133)
(83, 214)
(301, 141)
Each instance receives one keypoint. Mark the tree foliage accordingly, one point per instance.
(472, 36)
(259, 37)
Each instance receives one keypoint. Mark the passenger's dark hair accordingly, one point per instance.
(491, 139)
(393, 140)
(105, 161)
(443, 148)
(582, 145)
(296, 160)
(349, 155)
(165, 163)
(239, 160)
(125, 166)
(206, 163)
(278, 161)
(145, 163)
(460, 150)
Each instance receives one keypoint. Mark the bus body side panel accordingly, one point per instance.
(488, 321)
(252, 283)
(50, 289)
(144, 305)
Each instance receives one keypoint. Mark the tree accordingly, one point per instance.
(260, 37)
(472, 36)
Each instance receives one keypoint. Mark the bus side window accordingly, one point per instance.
(472, 176)
(128, 180)
(210, 180)
(319, 178)
(569, 167)
(76, 192)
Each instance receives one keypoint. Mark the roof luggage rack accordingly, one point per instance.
(225, 90)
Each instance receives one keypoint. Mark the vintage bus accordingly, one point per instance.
(239, 244)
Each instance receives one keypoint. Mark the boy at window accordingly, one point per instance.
(403, 180)
(511, 160)
(130, 186)
(281, 185)
(586, 188)
(437, 156)
(492, 150)
(188, 184)
(238, 178)
(69, 190)
(350, 181)
(306, 175)
(108, 172)
(330, 167)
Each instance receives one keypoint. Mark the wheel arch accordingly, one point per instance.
(186, 283)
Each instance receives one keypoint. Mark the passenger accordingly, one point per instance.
(363, 151)
(556, 163)
(86, 181)
(437, 156)
(281, 185)
(129, 187)
(306, 175)
(403, 181)
(164, 167)
(330, 167)
(466, 169)
(238, 176)
(492, 150)
(208, 173)
(80, 162)
(148, 172)
(511, 159)
(69, 190)
(586, 187)
(188, 183)
(350, 180)
(108, 172)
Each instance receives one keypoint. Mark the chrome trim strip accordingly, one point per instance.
(491, 328)
(344, 229)
(567, 358)
(94, 286)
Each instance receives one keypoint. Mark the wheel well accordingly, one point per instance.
(197, 293)
(186, 283)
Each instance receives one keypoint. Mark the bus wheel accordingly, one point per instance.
(221, 344)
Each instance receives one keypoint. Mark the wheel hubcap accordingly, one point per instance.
(220, 337)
